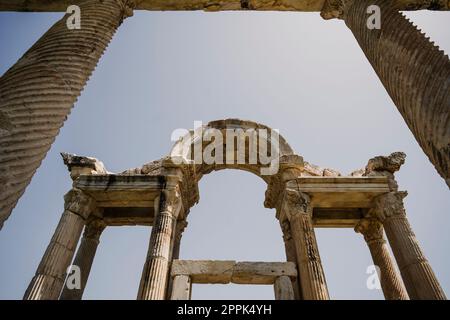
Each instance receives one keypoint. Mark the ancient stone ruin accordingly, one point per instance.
(38, 92)
(304, 196)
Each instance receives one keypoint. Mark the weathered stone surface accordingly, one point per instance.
(283, 288)
(79, 165)
(415, 73)
(218, 5)
(417, 274)
(204, 271)
(38, 92)
(391, 283)
(296, 208)
(181, 288)
(262, 272)
(84, 258)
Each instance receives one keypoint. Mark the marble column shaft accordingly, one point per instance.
(418, 276)
(414, 72)
(391, 282)
(49, 278)
(312, 277)
(155, 274)
(84, 258)
(39, 91)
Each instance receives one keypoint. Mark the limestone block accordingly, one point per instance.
(204, 271)
(283, 288)
(262, 272)
(181, 288)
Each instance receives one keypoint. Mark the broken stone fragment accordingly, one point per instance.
(78, 165)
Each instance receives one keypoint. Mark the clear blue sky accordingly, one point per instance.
(292, 71)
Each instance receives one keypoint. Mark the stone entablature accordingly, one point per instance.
(161, 193)
(218, 5)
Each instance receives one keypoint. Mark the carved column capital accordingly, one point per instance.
(371, 229)
(296, 203)
(170, 201)
(389, 205)
(79, 203)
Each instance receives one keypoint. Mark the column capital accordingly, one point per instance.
(371, 229)
(296, 203)
(333, 9)
(389, 205)
(79, 203)
(170, 201)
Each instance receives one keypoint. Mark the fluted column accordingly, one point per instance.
(297, 209)
(49, 278)
(413, 70)
(38, 92)
(419, 278)
(84, 258)
(155, 274)
(391, 282)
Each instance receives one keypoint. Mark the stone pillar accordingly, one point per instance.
(38, 92)
(180, 226)
(419, 278)
(84, 258)
(413, 70)
(49, 278)
(391, 283)
(283, 288)
(297, 209)
(182, 288)
(291, 255)
(155, 274)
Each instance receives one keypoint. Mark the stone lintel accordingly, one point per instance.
(204, 271)
(343, 192)
(207, 5)
(214, 271)
(262, 272)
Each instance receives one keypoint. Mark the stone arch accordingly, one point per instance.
(184, 149)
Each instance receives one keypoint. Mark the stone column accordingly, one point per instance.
(391, 283)
(49, 278)
(291, 255)
(414, 72)
(419, 278)
(283, 288)
(155, 274)
(180, 226)
(297, 209)
(84, 258)
(182, 288)
(38, 92)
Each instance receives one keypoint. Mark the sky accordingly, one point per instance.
(164, 70)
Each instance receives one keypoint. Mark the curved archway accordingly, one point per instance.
(237, 144)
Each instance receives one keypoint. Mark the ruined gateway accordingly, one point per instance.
(161, 193)
(51, 75)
